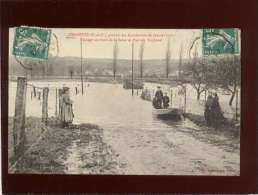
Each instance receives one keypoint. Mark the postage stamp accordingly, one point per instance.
(31, 42)
(220, 41)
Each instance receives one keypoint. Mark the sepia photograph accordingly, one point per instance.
(121, 101)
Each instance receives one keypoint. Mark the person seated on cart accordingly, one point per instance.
(165, 100)
(155, 103)
(159, 97)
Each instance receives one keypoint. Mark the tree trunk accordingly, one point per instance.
(232, 98)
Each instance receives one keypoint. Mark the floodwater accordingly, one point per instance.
(108, 105)
(144, 144)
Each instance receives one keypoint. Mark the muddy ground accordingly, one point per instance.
(176, 151)
(229, 129)
(89, 149)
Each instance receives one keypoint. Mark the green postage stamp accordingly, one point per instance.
(220, 41)
(31, 42)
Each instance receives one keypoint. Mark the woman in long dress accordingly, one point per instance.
(208, 112)
(67, 108)
(217, 114)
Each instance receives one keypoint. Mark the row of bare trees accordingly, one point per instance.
(115, 58)
(215, 71)
(212, 72)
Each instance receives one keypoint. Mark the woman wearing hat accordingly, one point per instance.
(67, 108)
(159, 97)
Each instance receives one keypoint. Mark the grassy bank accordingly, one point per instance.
(47, 148)
(33, 129)
(228, 128)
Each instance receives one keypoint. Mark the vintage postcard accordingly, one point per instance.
(124, 101)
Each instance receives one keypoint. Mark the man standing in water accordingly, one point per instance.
(67, 108)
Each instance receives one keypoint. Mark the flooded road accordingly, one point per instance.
(144, 145)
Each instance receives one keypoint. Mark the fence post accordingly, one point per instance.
(19, 117)
(45, 105)
(171, 95)
(34, 91)
(60, 92)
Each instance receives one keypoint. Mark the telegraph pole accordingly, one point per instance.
(81, 68)
(141, 59)
(168, 58)
(132, 67)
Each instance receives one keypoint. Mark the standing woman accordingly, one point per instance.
(67, 108)
(207, 111)
(159, 97)
(218, 117)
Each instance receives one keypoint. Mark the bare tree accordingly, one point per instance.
(197, 73)
(168, 56)
(228, 67)
(180, 63)
(228, 71)
(115, 54)
(141, 58)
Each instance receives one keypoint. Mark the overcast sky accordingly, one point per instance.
(69, 42)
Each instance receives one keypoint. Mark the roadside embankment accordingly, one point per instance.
(51, 149)
(230, 130)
